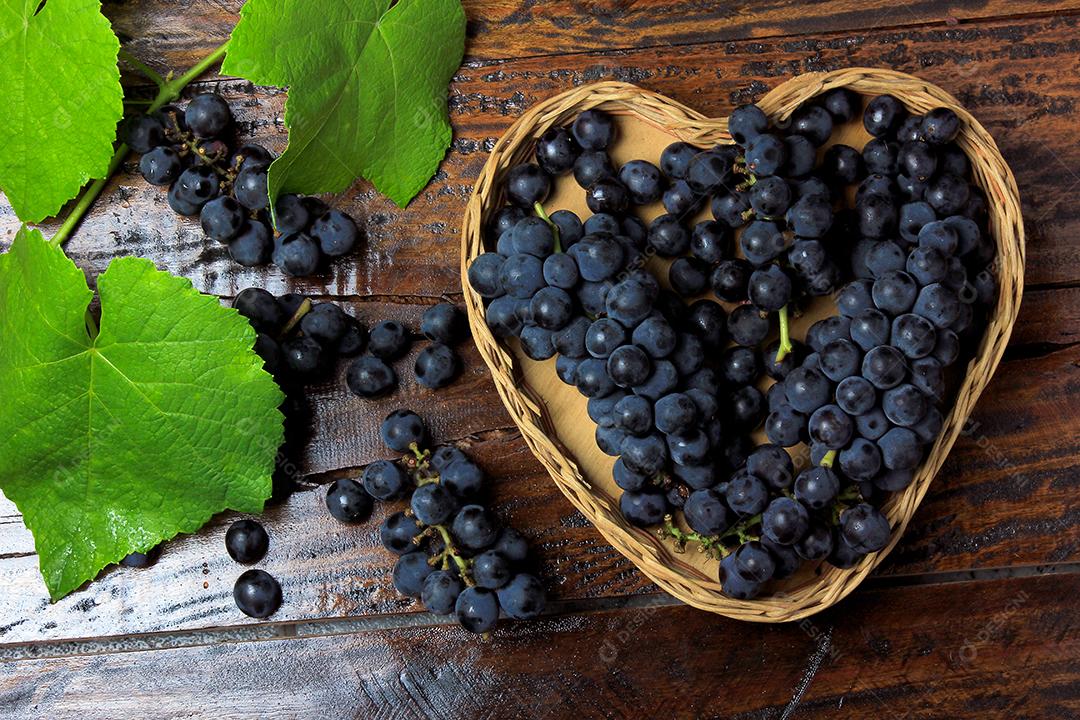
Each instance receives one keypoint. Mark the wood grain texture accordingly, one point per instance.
(1009, 653)
(162, 32)
(1016, 76)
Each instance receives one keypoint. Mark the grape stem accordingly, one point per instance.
(828, 459)
(554, 228)
(785, 335)
(304, 309)
(168, 90)
(450, 553)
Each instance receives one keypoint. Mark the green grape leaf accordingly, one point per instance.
(118, 439)
(367, 86)
(62, 101)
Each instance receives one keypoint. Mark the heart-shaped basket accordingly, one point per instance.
(552, 416)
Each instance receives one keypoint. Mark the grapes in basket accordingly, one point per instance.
(678, 330)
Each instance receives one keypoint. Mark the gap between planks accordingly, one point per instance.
(169, 640)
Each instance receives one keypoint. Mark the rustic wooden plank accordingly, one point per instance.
(966, 650)
(1016, 76)
(163, 33)
(1005, 498)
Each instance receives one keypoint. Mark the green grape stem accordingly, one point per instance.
(785, 335)
(168, 90)
(829, 459)
(450, 554)
(304, 309)
(554, 228)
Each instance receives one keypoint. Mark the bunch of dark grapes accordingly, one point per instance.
(301, 342)
(187, 150)
(675, 380)
(453, 554)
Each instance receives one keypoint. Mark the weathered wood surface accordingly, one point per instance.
(1017, 77)
(163, 34)
(1005, 499)
(975, 650)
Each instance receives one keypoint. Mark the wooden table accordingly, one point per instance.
(974, 615)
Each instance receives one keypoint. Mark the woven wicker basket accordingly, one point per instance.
(552, 418)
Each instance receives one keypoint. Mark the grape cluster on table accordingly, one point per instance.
(301, 342)
(453, 553)
(895, 233)
(188, 150)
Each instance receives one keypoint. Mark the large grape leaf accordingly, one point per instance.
(119, 439)
(62, 100)
(367, 86)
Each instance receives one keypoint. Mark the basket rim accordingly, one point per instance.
(658, 561)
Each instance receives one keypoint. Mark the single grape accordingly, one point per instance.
(491, 570)
(861, 460)
(397, 533)
(410, 572)
(593, 165)
(523, 598)
(370, 377)
(831, 427)
(643, 509)
(222, 218)
(461, 476)
(257, 594)
(733, 584)
(785, 521)
(864, 528)
(754, 562)
(556, 151)
(384, 480)
(261, 309)
(432, 504)
(817, 487)
(440, 591)
(883, 115)
(246, 541)
(208, 115)
(812, 122)
(594, 130)
(765, 154)
(512, 545)
(527, 185)
(746, 494)
(474, 528)
(900, 449)
(250, 188)
(253, 244)
(643, 181)
(335, 232)
(388, 340)
(402, 429)
(436, 366)
(347, 501)
(161, 166)
(298, 255)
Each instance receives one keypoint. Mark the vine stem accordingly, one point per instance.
(167, 92)
(828, 459)
(142, 67)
